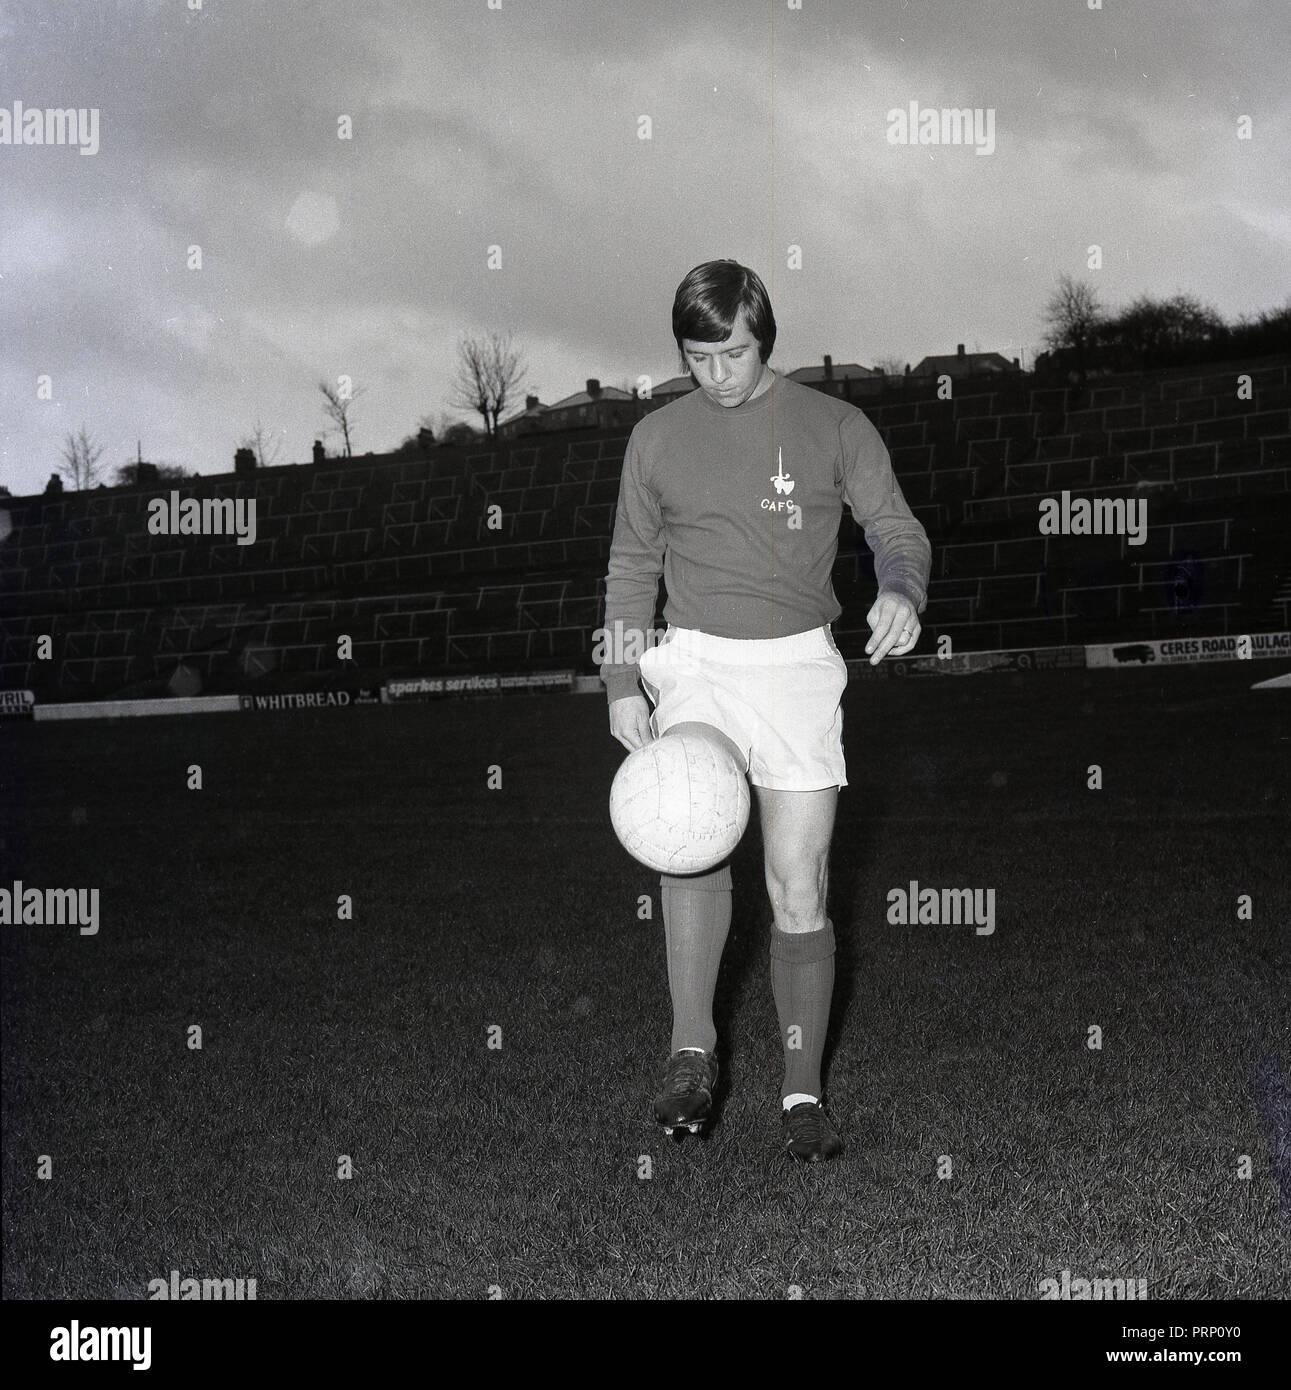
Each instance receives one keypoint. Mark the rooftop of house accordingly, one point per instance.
(964, 361)
(593, 391)
(830, 370)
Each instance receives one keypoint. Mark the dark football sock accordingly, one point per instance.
(802, 981)
(696, 919)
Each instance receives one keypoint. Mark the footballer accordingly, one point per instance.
(734, 494)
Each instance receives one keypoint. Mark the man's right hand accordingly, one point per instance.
(630, 722)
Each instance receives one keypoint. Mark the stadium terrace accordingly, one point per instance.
(34, 125)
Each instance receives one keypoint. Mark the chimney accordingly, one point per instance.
(1015, 365)
(959, 350)
(531, 402)
(244, 461)
(593, 387)
(829, 367)
(319, 452)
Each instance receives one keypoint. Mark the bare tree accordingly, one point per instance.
(264, 444)
(1072, 317)
(489, 373)
(80, 465)
(339, 410)
(890, 366)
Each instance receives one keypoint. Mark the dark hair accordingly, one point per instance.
(709, 301)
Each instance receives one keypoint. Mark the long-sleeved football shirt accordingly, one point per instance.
(738, 508)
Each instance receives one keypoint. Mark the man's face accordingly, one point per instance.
(730, 372)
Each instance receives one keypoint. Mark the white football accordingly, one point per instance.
(680, 804)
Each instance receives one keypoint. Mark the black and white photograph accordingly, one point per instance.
(645, 657)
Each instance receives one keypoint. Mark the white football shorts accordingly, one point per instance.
(777, 699)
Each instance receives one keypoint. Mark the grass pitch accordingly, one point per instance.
(989, 1147)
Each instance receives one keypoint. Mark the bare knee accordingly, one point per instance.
(797, 893)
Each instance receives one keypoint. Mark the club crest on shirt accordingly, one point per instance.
(784, 485)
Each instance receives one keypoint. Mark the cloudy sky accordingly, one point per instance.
(519, 126)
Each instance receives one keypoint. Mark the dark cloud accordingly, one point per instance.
(519, 128)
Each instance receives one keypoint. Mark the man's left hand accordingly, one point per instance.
(894, 626)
